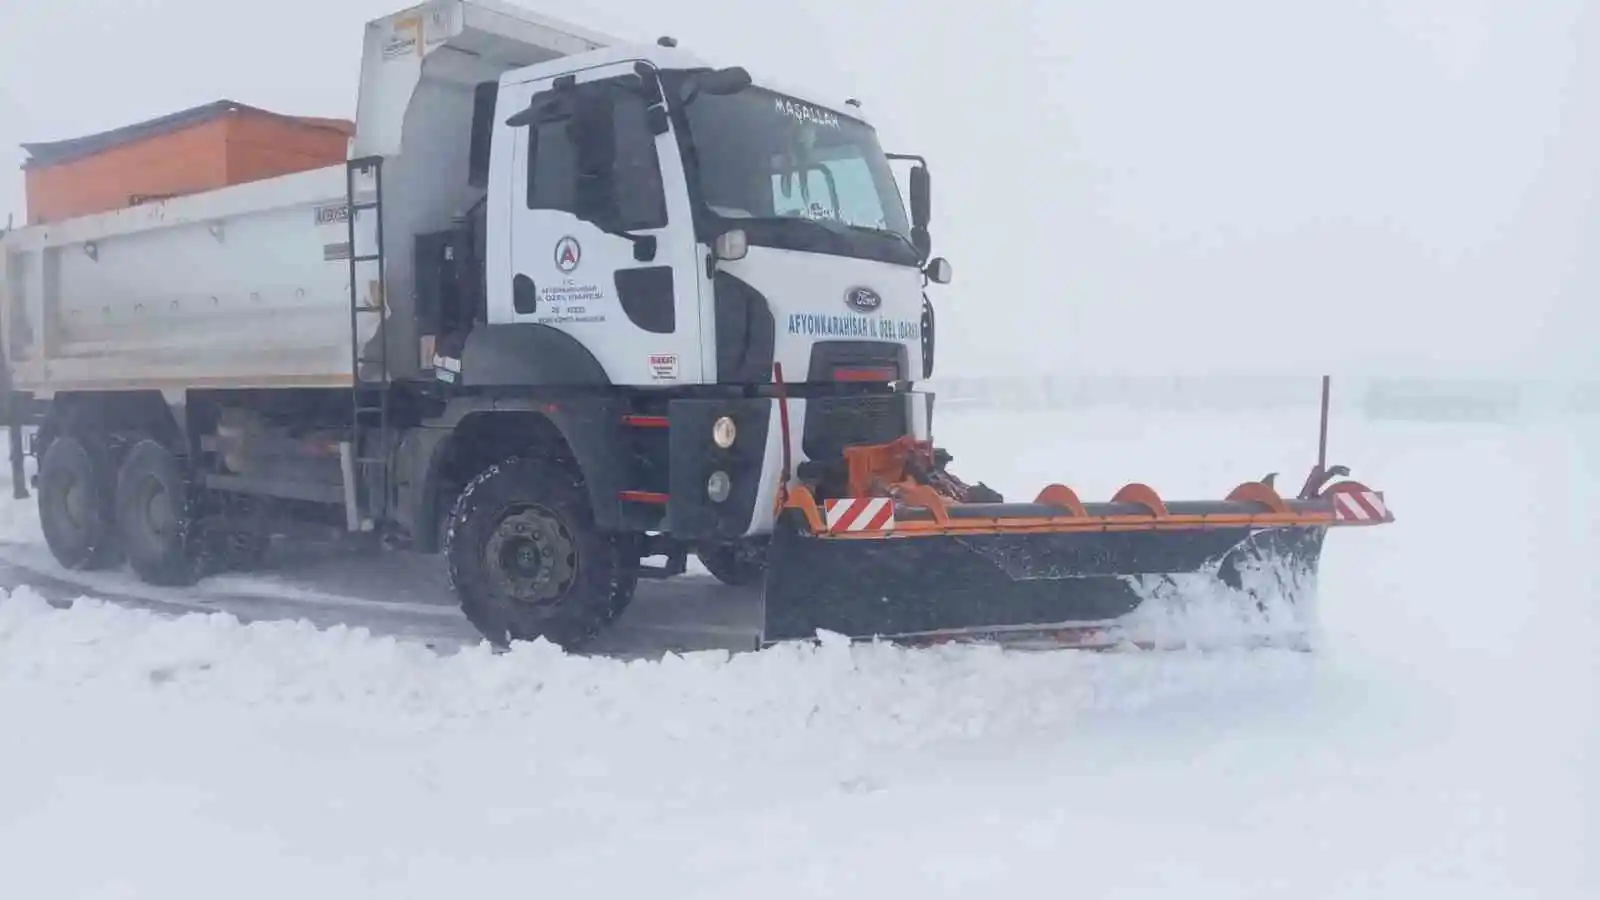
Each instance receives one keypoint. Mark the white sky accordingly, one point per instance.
(1251, 185)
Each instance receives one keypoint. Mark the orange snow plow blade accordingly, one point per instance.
(889, 545)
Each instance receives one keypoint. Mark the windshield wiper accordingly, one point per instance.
(837, 229)
(842, 229)
(869, 229)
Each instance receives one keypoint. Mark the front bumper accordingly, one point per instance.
(820, 427)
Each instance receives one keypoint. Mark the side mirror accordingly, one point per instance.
(722, 82)
(719, 82)
(938, 270)
(921, 197)
(592, 131)
(542, 110)
(545, 107)
(921, 201)
(731, 245)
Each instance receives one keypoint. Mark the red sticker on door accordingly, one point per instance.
(664, 366)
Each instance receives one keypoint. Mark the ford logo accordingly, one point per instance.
(862, 299)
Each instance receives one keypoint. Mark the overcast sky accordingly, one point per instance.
(1250, 185)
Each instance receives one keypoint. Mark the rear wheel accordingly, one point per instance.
(526, 560)
(76, 505)
(155, 516)
(737, 564)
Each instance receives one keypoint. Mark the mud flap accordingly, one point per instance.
(916, 587)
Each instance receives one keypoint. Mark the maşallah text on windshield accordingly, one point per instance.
(805, 112)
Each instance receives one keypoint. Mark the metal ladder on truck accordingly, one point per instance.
(366, 492)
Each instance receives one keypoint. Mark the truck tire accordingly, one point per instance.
(627, 582)
(737, 563)
(526, 560)
(76, 504)
(155, 514)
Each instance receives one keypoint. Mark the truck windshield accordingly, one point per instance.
(794, 175)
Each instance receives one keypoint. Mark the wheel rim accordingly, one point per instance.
(532, 557)
(75, 503)
(156, 515)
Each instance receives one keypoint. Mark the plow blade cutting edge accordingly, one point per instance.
(904, 562)
(1053, 572)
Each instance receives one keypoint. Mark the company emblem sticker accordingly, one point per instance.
(568, 253)
(862, 299)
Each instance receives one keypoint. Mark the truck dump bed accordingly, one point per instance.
(229, 288)
(249, 285)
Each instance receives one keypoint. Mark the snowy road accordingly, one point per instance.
(393, 594)
(398, 595)
(1442, 743)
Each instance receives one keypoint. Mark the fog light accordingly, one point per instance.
(718, 486)
(723, 432)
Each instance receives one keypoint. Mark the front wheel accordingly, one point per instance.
(526, 560)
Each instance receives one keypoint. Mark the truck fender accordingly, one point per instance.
(436, 460)
(527, 354)
(101, 416)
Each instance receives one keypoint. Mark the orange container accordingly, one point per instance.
(200, 149)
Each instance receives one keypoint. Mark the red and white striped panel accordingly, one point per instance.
(860, 514)
(1359, 506)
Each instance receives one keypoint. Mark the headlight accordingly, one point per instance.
(718, 486)
(723, 432)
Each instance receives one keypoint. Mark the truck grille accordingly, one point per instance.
(830, 358)
(833, 423)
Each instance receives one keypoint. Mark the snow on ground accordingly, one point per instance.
(1441, 742)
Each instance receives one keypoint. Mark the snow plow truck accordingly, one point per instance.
(554, 306)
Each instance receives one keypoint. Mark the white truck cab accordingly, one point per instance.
(698, 239)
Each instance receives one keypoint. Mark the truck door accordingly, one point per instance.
(602, 244)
